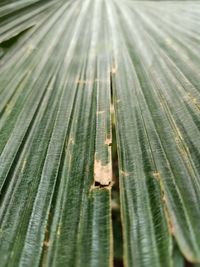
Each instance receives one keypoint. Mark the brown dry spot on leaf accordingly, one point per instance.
(191, 99)
(71, 141)
(123, 173)
(112, 109)
(114, 69)
(108, 141)
(102, 173)
(84, 81)
(114, 205)
(164, 199)
(167, 215)
(171, 227)
(46, 244)
(171, 230)
(157, 175)
(23, 165)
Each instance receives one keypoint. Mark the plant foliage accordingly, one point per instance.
(73, 75)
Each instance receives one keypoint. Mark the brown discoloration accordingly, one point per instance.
(123, 173)
(114, 205)
(171, 227)
(108, 141)
(114, 69)
(97, 185)
(84, 81)
(71, 141)
(102, 173)
(184, 150)
(191, 99)
(23, 165)
(46, 244)
(112, 109)
(178, 131)
(167, 215)
(164, 199)
(157, 175)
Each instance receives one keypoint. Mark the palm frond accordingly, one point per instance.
(70, 71)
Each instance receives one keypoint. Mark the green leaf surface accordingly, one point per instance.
(69, 72)
(20, 15)
(50, 204)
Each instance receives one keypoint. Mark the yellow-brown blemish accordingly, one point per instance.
(114, 69)
(24, 165)
(167, 215)
(108, 141)
(71, 141)
(102, 173)
(171, 230)
(84, 81)
(114, 205)
(171, 227)
(164, 199)
(46, 244)
(157, 175)
(192, 100)
(125, 174)
(112, 109)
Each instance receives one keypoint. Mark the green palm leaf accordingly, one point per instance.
(73, 74)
